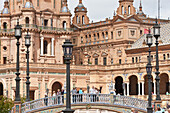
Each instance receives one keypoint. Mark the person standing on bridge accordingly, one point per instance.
(59, 94)
(46, 99)
(92, 94)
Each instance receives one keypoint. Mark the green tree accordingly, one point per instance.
(6, 104)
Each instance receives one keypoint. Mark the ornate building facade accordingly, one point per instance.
(105, 52)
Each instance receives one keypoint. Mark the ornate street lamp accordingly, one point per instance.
(27, 44)
(149, 71)
(18, 34)
(156, 31)
(67, 49)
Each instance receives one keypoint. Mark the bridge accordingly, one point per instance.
(109, 102)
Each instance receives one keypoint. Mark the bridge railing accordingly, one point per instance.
(41, 103)
(85, 99)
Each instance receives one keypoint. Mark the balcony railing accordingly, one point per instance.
(33, 26)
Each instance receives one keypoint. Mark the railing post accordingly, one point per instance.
(17, 108)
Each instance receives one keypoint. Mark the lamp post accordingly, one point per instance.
(18, 34)
(67, 49)
(27, 44)
(156, 28)
(149, 71)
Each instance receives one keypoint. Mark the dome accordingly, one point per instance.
(5, 11)
(28, 5)
(64, 9)
(80, 5)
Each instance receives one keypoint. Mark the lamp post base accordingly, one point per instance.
(68, 111)
(149, 110)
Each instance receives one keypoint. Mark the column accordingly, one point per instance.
(142, 88)
(154, 87)
(52, 47)
(127, 89)
(42, 44)
(139, 88)
(113, 86)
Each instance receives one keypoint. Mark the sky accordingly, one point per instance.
(101, 9)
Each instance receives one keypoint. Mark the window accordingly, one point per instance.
(45, 46)
(86, 39)
(139, 59)
(106, 35)
(51, 22)
(4, 60)
(133, 60)
(164, 56)
(38, 3)
(151, 57)
(111, 61)
(141, 32)
(136, 59)
(54, 3)
(5, 26)
(98, 36)
(94, 37)
(77, 19)
(89, 61)
(81, 39)
(105, 61)
(103, 35)
(120, 61)
(64, 25)
(129, 9)
(27, 21)
(90, 37)
(83, 19)
(168, 56)
(74, 41)
(122, 10)
(45, 22)
(111, 35)
(96, 61)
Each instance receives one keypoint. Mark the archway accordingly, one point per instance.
(118, 85)
(1, 89)
(146, 85)
(56, 86)
(164, 83)
(133, 85)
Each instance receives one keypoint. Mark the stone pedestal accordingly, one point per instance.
(17, 107)
(158, 103)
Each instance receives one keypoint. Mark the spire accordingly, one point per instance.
(64, 7)
(6, 4)
(6, 7)
(80, 1)
(140, 7)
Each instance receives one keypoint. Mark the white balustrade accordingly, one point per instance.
(124, 101)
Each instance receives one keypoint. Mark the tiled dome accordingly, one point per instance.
(64, 9)
(80, 5)
(28, 5)
(5, 11)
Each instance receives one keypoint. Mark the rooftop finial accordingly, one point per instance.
(140, 7)
(80, 1)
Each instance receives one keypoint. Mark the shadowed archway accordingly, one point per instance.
(56, 86)
(118, 85)
(133, 85)
(1, 89)
(164, 83)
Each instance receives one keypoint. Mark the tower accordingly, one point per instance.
(80, 17)
(126, 8)
(140, 12)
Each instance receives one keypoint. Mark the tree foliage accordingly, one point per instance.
(6, 104)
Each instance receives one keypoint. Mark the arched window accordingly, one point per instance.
(129, 9)
(27, 21)
(77, 19)
(5, 26)
(45, 46)
(64, 25)
(83, 19)
(122, 10)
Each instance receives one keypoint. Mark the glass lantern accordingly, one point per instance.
(27, 40)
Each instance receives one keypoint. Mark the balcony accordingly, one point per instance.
(38, 28)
